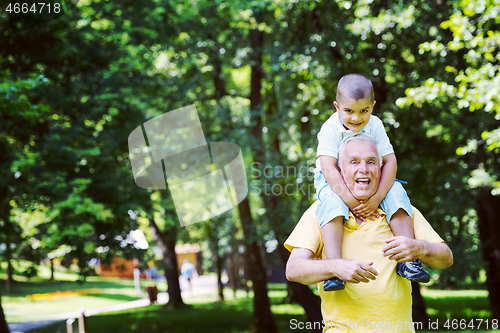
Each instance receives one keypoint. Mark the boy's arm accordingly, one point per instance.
(335, 180)
(387, 178)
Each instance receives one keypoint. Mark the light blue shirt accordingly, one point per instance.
(333, 132)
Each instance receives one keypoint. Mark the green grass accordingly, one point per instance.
(103, 292)
(235, 314)
(455, 306)
(203, 315)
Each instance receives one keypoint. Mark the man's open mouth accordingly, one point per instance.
(363, 181)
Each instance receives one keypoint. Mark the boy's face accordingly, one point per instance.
(354, 113)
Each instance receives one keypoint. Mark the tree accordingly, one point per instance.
(4, 328)
(17, 109)
(469, 86)
(212, 52)
(65, 138)
(165, 228)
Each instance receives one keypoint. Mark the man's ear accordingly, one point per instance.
(336, 105)
(374, 102)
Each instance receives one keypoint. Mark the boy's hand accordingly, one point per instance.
(367, 209)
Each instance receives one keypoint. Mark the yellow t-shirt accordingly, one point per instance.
(382, 305)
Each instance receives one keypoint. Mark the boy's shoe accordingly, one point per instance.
(413, 271)
(333, 284)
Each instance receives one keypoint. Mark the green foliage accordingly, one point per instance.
(233, 314)
(474, 28)
(30, 272)
(73, 90)
(462, 93)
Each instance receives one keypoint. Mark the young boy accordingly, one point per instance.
(354, 103)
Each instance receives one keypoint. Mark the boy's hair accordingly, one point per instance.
(359, 137)
(355, 86)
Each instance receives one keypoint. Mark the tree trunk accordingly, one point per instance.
(306, 298)
(214, 247)
(4, 328)
(263, 321)
(220, 286)
(10, 279)
(299, 292)
(10, 270)
(418, 306)
(52, 270)
(243, 262)
(166, 241)
(231, 270)
(489, 233)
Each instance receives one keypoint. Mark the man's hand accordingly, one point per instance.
(403, 249)
(367, 209)
(302, 268)
(355, 271)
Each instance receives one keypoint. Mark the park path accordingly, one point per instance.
(201, 285)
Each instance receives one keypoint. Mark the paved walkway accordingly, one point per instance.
(201, 285)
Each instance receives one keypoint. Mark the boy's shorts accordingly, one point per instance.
(332, 206)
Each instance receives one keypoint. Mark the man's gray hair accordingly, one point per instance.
(358, 137)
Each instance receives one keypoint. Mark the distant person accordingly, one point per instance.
(355, 100)
(187, 270)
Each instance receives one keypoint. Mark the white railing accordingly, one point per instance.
(81, 322)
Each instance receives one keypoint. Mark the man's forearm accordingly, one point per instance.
(436, 255)
(303, 269)
(307, 271)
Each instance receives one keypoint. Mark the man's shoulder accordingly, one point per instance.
(307, 233)
(423, 229)
(311, 211)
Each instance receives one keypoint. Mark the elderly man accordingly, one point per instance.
(382, 301)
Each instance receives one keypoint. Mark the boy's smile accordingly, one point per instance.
(355, 114)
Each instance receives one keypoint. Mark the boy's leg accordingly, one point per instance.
(332, 237)
(398, 209)
(332, 234)
(401, 224)
(331, 213)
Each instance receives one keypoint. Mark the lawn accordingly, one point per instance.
(459, 308)
(468, 309)
(235, 314)
(39, 298)
(203, 315)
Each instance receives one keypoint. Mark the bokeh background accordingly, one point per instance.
(262, 75)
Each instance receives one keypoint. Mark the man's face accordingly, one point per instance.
(354, 113)
(360, 168)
